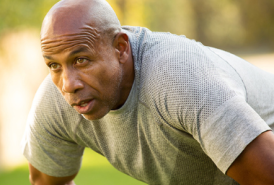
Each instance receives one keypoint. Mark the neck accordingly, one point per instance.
(127, 79)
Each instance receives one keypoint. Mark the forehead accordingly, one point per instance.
(68, 24)
(65, 17)
(86, 37)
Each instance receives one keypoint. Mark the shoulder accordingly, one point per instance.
(50, 111)
(46, 94)
(183, 82)
(147, 44)
(48, 99)
(180, 65)
(49, 135)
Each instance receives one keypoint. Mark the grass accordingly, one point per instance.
(95, 170)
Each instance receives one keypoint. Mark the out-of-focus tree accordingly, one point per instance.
(23, 13)
(227, 24)
(218, 23)
(224, 24)
(171, 16)
(131, 12)
(257, 19)
(21, 70)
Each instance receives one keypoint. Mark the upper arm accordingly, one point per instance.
(38, 178)
(255, 165)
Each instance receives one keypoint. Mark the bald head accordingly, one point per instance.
(89, 58)
(71, 17)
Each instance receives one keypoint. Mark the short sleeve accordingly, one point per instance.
(47, 144)
(229, 129)
(203, 95)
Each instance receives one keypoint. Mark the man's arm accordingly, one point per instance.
(255, 165)
(38, 178)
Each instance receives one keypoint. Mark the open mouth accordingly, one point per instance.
(84, 106)
(84, 103)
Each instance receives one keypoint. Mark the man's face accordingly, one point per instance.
(88, 74)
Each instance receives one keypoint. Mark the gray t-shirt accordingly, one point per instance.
(191, 111)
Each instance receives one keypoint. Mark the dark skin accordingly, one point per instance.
(255, 165)
(99, 78)
(38, 178)
(94, 72)
(91, 66)
(124, 53)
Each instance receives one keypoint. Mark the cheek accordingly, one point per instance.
(96, 75)
(112, 79)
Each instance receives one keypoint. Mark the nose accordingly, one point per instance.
(71, 82)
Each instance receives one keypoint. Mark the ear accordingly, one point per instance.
(121, 45)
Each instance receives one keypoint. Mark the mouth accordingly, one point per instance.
(84, 106)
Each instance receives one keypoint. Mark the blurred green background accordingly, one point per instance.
(242, 27)
(95, 170)
(226, 24)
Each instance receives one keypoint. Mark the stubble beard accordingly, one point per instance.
(113, 100)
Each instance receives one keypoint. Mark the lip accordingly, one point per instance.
(85, 109)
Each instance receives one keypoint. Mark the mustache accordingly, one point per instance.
(77, 98)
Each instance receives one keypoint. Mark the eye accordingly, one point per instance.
(81, 61)
(54, 66)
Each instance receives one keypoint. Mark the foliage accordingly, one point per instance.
(23, 13)
(226, 23)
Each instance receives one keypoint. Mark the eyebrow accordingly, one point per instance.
(79, 50)
(47, 57)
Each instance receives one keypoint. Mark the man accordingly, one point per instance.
(161, 108)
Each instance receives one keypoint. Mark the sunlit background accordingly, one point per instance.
(242, 27)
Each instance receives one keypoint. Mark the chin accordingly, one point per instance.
(93, 117)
